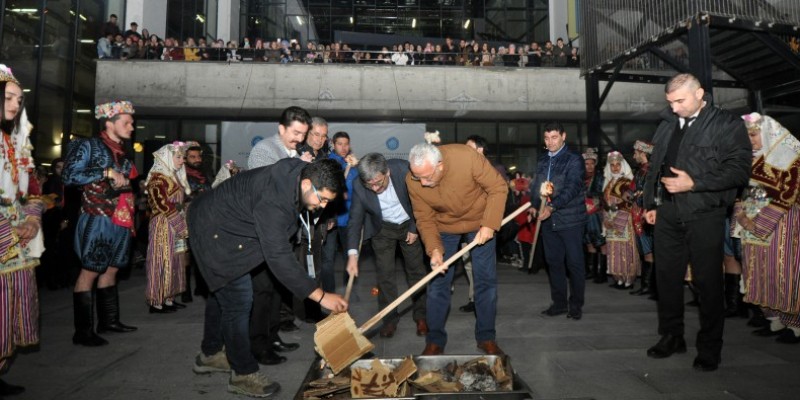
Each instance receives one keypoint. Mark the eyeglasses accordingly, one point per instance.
(318, 135)
(322, 200)
(374, 184)
(426, 178)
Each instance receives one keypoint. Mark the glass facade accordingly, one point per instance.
(190, 18)
(519, 21)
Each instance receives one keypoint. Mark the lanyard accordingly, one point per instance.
(307, 225)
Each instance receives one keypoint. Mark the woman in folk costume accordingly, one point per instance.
(623, 256)
(768, 224)
(21, 240)
(167, 189)
(228, 170)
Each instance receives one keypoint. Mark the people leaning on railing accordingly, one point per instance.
(472, 53)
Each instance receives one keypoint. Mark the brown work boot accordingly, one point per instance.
(422, 327)
(432, 350)
(491, 348)
(388, 330)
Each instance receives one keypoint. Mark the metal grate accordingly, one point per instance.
(611, 28)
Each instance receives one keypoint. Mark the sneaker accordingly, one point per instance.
(204, 364)
(254, 385)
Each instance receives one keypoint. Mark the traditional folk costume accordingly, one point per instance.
(644, 235)
(103, 233)
(593, 236)
(771, 251)
(19, 298)
(623, 256)
(166, 261)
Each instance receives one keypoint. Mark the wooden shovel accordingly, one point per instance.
(338, 340)
(535, 238)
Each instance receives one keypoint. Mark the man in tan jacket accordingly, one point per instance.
(456, 193)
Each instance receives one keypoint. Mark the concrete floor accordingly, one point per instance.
(601, 356)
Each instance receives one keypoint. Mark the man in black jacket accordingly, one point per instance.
(382, 208)
(247, 220)
(702, 155)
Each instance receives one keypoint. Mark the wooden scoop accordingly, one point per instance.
(341, 343)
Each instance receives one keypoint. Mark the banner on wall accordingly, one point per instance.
(391, 140)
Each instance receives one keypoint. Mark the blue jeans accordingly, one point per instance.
(563, 251)
(227, 323)
(484, 271)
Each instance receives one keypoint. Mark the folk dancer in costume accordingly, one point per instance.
(593, 238)
(21, 240)
(623, 257)
(167, 189)
(228, 170)
(769, 220)
(103, 234)
(644, 234)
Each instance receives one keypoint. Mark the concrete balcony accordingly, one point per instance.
(259, 91)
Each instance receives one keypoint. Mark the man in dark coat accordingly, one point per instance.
(247, 220)
(563, 217)
(701, 156)
(382, 208)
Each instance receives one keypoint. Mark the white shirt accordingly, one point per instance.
(391, 208)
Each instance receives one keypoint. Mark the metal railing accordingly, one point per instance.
(611, 28)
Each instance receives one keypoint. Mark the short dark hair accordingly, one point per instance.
(554, 126)
(480, 141)
(134, 24)
(195, 148)
(295, 113)
(324, 174)
(372, 164)
(102, 121)
(112, 16)
(339, 135)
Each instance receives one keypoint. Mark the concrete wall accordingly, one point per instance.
(150, 15)
(255, 91)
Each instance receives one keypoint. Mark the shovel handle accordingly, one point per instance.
(535, 239)
(424, 281)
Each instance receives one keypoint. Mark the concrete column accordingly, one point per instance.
(150, 15)
(558, 20)
(228, 20)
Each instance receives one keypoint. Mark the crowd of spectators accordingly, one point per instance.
(131, 44)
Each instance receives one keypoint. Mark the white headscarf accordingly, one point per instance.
(779, 148)
(163, 164)
(626, 171)
(20, 140)
(224, 173)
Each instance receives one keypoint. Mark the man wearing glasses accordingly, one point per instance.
(244, 222)
(382, 208)
(457, 193)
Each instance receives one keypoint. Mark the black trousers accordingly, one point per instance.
(699, 243)
(385, 244)
(265, 317)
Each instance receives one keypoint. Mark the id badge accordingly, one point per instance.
(310, 266)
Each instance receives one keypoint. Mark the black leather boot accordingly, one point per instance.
(600, 276)
(108, 311)
(83, 311)
(591, 265)
(647, 269)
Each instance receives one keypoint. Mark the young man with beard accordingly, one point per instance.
(199, 183)
(241, 224)
(102, 238)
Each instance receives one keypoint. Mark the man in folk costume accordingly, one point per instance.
(644, 234)
(623, 257)
(21, 240)
(593, 238)
(103, 235)
(167, 190)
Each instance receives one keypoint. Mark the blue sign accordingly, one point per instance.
(392, 143)
(255, 140)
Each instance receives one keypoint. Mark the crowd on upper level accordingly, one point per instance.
(132, 44)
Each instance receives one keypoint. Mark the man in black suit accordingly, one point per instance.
(247, 220)
(381, 206)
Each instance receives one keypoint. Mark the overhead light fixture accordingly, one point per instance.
(351, 20)
(512, 168)
(140, 127)
(200, 18)
(87, 41)
(299, 20)
(82, 17)
(83, 111)
(26, 90)
(414, 23)
(160, 137)
(138, 147)
(24, 10)
(466, 24)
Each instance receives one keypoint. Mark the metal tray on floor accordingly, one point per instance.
(520, 390)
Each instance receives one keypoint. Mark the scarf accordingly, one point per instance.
(115, 147)
(16, 162)
(196, 175)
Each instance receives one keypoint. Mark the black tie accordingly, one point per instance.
(686, 123)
